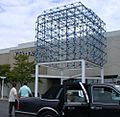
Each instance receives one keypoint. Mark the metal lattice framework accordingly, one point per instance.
(70, 32)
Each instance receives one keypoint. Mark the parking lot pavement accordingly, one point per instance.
(4, 107)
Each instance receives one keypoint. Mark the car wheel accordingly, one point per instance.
(48, 114)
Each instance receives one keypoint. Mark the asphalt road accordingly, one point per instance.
(4, 108)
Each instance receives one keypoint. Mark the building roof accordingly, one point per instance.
(113, 33)
(20, 46)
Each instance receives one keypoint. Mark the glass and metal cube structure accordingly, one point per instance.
(70, 32)
(68, 35)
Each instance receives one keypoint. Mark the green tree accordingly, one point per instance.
(4, 71)
(22, 70)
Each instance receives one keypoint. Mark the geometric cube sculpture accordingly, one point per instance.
(70, 32)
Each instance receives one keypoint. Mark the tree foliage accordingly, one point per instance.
(4, 71)
(22, 70)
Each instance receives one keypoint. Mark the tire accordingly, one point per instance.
(48, 114)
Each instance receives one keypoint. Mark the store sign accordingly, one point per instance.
(29, 53)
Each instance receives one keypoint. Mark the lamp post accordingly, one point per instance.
(2, 77)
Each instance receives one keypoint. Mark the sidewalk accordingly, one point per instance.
(4, 105)
(4, 99)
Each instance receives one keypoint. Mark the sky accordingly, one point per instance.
(18, 17)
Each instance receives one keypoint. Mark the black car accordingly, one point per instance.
(72, 100)
(50, 102)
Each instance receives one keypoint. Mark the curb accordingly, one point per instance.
(3, 99)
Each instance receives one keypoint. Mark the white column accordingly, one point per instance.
(102, 75)
(2, 89)
(61, 80)
(83, 71)
(36, 80)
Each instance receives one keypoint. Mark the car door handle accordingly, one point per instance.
(71, 108)
(96, 107)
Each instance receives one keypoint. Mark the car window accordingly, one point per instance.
(105, 95)
(52, 93)
(75, 96)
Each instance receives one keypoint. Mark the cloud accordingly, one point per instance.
(107, 10)
(18, 17)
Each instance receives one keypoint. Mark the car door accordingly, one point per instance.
(105, 102)
(75, 102)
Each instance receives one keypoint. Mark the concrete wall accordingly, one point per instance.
(113, 50)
